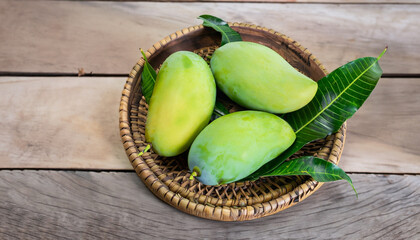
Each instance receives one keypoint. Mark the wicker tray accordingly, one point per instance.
(168, 178)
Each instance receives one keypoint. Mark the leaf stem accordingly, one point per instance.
(383, 52)
(145, 150)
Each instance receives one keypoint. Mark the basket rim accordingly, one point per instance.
(221, 213)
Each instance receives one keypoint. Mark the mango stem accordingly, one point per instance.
(193, 174)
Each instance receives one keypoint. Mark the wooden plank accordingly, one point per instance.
(104, 37)
(383, 136)
(288, 1)
(61, 123)
(72, 123)
(63, 204)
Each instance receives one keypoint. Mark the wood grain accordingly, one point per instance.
(61, 123)
(72, 123)
(104, 37)
(286, 1)
(383, 136)
(66, 204)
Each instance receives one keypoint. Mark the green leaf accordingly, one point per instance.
(148, 79)
(317, 168)
(340, 94)
(228, 34)
(219, 110)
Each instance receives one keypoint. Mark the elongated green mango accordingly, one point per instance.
(181, 104)
(256, 77)
(235, 145)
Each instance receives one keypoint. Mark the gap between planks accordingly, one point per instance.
(69, 74)
(132, 170)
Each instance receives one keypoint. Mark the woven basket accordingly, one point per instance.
(168, 178)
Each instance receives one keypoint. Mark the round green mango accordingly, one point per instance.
(235, 145)
(257, 77)
(181, 104)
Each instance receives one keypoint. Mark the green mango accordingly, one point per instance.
(256, 77)
(235, 145)
(181, 104)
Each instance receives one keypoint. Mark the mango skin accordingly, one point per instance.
(235, 145)
(181, 104)
(257, 77)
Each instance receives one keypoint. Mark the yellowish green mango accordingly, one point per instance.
(235, 145)
(257, 77)
(181, 104)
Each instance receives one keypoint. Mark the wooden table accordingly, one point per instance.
(64, 172)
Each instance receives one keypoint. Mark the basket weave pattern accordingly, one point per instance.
(168, 178)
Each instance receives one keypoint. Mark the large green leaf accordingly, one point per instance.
(340, 94)
(228, 34)
(317, 168)
(148, 79)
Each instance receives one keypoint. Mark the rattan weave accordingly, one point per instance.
(168, 178)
